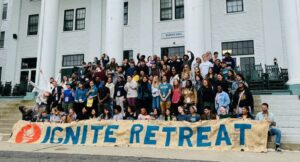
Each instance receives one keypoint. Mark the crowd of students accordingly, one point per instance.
(153, 88)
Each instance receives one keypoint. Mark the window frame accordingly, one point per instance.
(237, 11)
(162, 54)
(72, 60)
(80, 19)
(237, 46)
(29, 25)
(31, 60)
(179, 7)
(65, 20)
(166, 9)
(126, 13)
(2, 41)
(4, 11)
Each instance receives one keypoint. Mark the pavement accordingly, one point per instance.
(65, 153)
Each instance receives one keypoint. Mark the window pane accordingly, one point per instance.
(33, 22)
(239, 47)
(165, 10)
(72, 60)
(68, 21)
(80, 19)
(234, 6)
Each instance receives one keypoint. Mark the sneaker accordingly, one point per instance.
(278, 149)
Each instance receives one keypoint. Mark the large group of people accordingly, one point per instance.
(153, 88)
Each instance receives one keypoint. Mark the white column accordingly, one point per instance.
(291, 37)
(146, 27)
(11, 67)
(194, 26)
(114, 29)
(48, 26)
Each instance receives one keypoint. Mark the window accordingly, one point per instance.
(68, 20)
(125, 13)
(80, 19)
(128, 54)
(4, 12)
(2, 38)
(238, 48)
(72, 60)
(179, 9)
(234, 6)
(28, 63)
(33, 25)
(172, 51)
(165, 10)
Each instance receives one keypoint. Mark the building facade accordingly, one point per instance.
(58, 34)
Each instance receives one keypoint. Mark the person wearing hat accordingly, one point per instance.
(242, 98)
(187, 60)
(193, 117)
(229, 61)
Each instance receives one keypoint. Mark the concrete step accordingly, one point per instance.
(13, 114)
(293, 112)
(288, 124)
(9, 121)
(5, 137)
(5, 130)
(279, 118)
(294, 139)
(290, 131)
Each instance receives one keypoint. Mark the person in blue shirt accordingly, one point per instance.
(165, 90)
(80, 98)
(193, 117)
(92, 95)
(222, 100)
(266, 115)
(67, 98)
(182, 115)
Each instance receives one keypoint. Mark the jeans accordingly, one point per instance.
(276, 132)
(156, 102)
(120, 102)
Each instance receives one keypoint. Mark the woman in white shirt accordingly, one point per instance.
(131, 89)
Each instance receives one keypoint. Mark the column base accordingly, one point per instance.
(30, 96)
(295, 89)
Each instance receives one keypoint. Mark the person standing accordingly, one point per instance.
(80, 98)
(131, 89)
(165, 90)
(120, 93)
(67, 98)
(266, 115)
(205, 65)
(243, 98)
(155, 93)
(222, 100)
(145, 94)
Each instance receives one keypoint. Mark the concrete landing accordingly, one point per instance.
(35, 153)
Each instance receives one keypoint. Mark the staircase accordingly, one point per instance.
(9, 115)
(286, 109)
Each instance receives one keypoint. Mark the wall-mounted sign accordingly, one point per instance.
(169, 35)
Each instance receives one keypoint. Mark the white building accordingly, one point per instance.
(55, 34)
